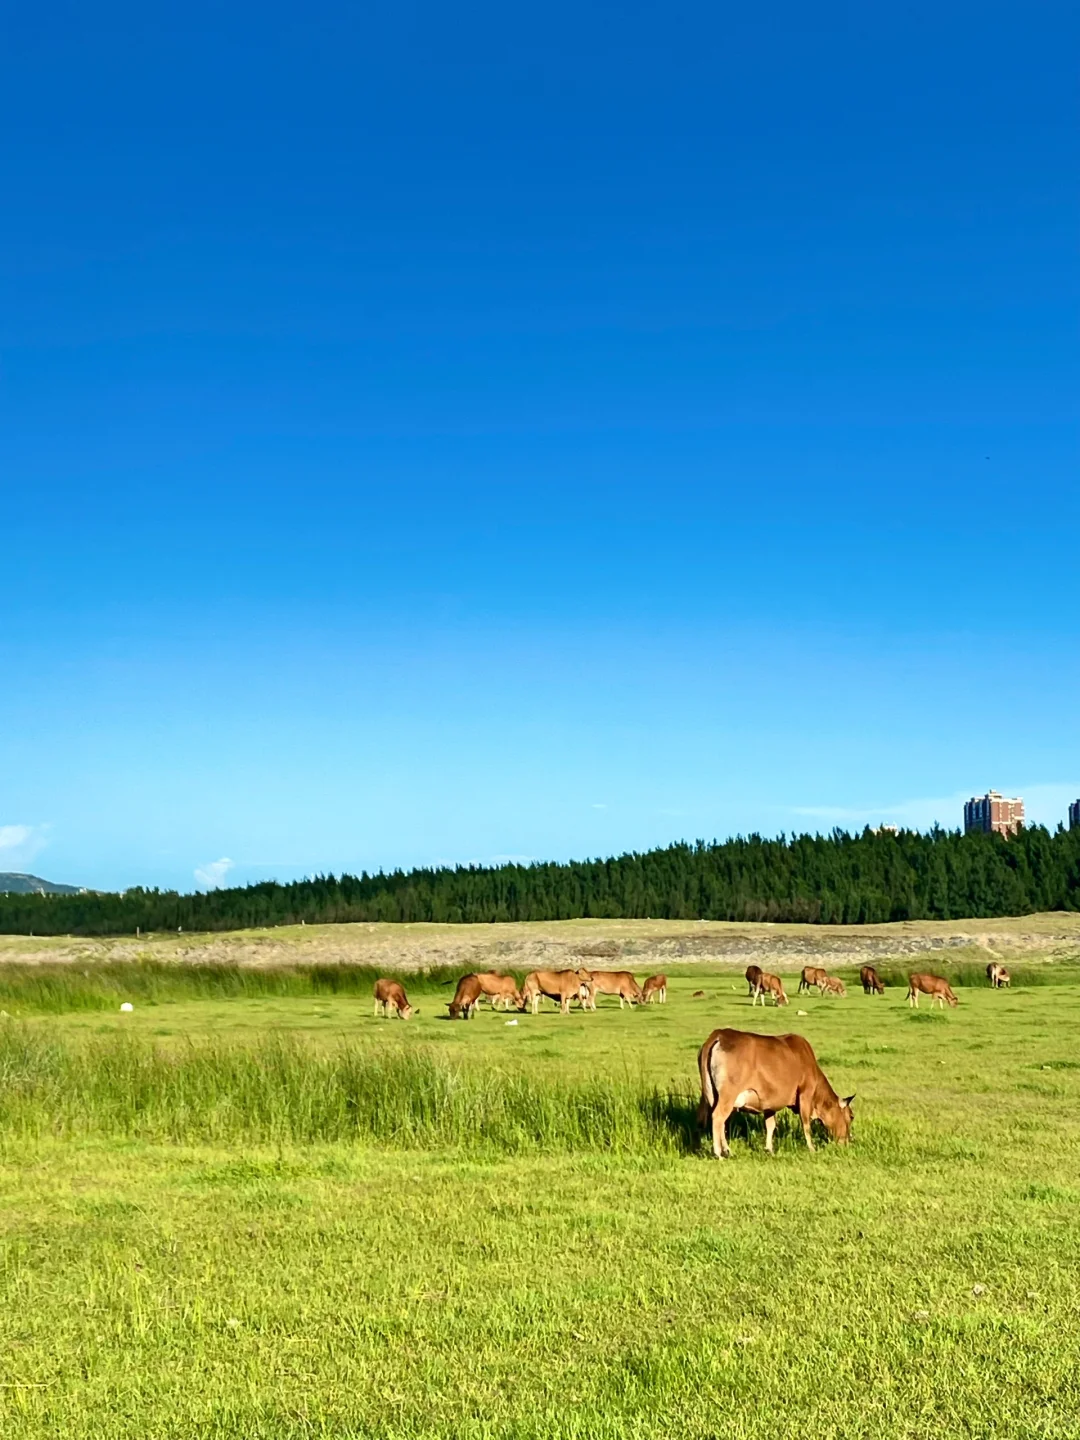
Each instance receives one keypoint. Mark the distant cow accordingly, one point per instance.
(466, 999)
(390, 1000)
(831, 985)
(753, 975)
(562, 986)
(501, 988)
(764, 1074)
(613, 982)
(871, 981)
(769, 985)
(655, 987)
(932, 985)
(811, 978)
(998, 975)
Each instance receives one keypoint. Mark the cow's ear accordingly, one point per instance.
(846, 1103)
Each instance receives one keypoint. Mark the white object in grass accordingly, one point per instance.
(127, 1007)
(511, 1022)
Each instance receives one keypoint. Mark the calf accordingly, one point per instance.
(871, 982)
(655, 987)
(932, 985)
(613, 982)
(998, 975)
(769, 985)
(753, 975)
(390, 1000)
(831, 985)
(812, 977)
(466, 999)
(764, 1074)
(501, 988)
(562, 986)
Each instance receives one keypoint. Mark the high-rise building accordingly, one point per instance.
(993, 814)
(1074, 815)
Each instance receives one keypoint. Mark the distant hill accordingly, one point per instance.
(12, 884)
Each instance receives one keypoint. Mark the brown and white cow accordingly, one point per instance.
(811, 978)
(466, 999)
(769, 985)
(871, 981)
(997, 975)
(764, 1074)
(500, 989)
(753, 975)
(932, 985)
(613, 982)
(831, 985)
(562, 986)
(655, 987)
(390, 1000)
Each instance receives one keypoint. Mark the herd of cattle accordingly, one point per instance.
(738, 1070)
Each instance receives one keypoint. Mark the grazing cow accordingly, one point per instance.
(932, 985)
(831, 985)
(562, 986)
(813, 976)
(998, 975)
(753, 975)
(466, 999)
(390, 1000)
(769, 985)
(655, 987)
(501, 988)
(764, 1074)
(613, 982)
(871, 981)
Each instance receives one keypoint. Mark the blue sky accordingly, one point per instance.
(439, 435)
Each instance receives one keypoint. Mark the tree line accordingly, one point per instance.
(821, 879)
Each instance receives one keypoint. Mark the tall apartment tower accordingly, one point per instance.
(993, 814)
(1074, 815)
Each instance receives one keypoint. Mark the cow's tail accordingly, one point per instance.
(708, 1089)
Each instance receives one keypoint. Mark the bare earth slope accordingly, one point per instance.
(641, 943)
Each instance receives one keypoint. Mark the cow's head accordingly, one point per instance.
(840, 1123)
(951, 998)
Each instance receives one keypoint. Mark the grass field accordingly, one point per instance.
(248, 1208)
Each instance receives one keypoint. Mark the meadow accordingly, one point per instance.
(249, 1208)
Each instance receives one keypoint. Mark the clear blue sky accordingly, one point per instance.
(440, 433)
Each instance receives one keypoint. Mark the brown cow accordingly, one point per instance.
(932, 985)
(871, 981)
(753, 975)
(764, 1074)
(562, 986)
(501, 987)
(390, 998)
(812, 977)
(466, 999)
(998, 975)
(769, 985)
(613, 982)
(655, 986)
(831, 985)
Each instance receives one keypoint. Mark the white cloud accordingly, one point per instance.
(599, 807)
(20, 843)
(212, 876)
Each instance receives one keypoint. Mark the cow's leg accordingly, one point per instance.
(806, 1111)
(721, 1110)
(770, 1130)
(376, 1009)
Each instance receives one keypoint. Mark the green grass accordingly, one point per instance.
(269, 1215)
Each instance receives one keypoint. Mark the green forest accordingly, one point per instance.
(821, 879)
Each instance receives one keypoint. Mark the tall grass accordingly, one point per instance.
(56, 989)
(283, 1090)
